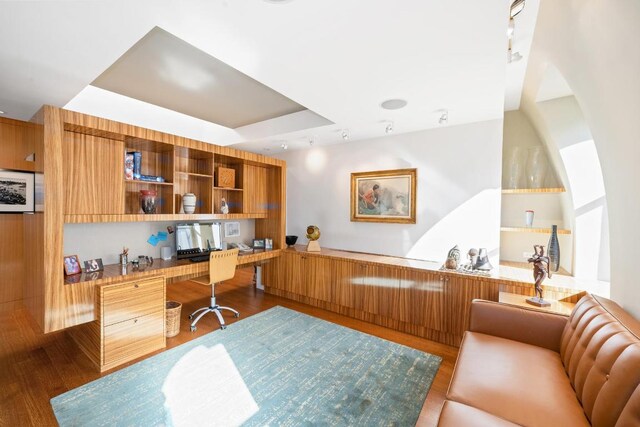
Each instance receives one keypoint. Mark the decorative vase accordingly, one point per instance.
(528, 218)
(189, 203)
(553, 250)
(148, 201)
(515, 167)
(536, 167)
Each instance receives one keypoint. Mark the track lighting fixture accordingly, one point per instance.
(311, 142)
(516, 8)
(345, 135)
(389, 128)
(444, 117)
(284, 146)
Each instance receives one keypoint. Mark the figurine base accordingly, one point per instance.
(538, 302)
(313, 246)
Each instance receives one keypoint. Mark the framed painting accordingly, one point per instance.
(16, 191)
(384, 196)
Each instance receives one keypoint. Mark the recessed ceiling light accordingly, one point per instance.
(393, 104)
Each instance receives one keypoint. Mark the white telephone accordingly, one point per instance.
(241, 246)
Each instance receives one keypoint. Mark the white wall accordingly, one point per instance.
(458, 191)
(548, 208)
(106, 240)
(590, 45)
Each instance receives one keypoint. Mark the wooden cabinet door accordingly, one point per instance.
(459, 292)
(273, 273)
(293, 277)
(255, 191)
(345, 277)
(93, 174)
(317, 274)
(421, 299)
(380, 289)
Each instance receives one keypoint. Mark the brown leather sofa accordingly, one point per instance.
(519, 366)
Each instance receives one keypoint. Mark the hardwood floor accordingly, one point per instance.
(36, 367)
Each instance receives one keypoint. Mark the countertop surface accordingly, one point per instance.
(503, 273)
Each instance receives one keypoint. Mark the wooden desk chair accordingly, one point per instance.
(222, 266)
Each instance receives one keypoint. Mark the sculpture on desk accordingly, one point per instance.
(453, 257)
(313, 234)
(540, 272)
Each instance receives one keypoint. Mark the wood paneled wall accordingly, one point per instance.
(12, 254)
(18, 140)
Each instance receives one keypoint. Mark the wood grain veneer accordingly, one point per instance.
(409, 295)
(92, 184)
(255, 194)
(12, 254)
(82, 166)
(17, 140)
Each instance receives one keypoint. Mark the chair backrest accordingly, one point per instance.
(222, 265)
(601, 353)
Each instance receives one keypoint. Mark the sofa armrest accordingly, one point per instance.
(517, 323)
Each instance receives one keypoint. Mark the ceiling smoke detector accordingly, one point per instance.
(393, 104)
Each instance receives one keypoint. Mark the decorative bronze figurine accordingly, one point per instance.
(540, 272)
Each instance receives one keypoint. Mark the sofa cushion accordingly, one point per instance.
(600, 350)
(518, 382)
(456, 414)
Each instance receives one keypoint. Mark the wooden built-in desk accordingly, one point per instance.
(170, 269)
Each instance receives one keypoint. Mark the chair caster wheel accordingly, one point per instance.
(223, 327)
(236, 315)
(193, 329)
(191, 317)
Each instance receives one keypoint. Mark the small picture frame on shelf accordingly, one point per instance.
(232, 229)
(268, 244)
(258, 243)
(72, 265)
(93, 265)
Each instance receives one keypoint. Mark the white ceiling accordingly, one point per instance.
(340, 59)
(163, 70)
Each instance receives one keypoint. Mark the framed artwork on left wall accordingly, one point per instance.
(16, 191)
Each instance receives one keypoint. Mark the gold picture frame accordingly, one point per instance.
(384, 196)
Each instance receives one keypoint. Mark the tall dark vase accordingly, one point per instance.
(553, 250)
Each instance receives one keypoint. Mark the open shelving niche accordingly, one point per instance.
(522, 192)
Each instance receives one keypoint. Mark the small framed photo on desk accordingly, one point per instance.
(72, 265)
(258, 243)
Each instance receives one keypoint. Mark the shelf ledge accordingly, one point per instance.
(532, 190)
(83, 219)
(533, 230)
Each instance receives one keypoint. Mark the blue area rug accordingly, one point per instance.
(276, 368)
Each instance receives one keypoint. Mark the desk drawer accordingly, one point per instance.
(133, 338)
(129, 300)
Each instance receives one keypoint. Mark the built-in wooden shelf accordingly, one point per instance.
(557, 307)
(532, 190)
(532, 230)
(137, 181)
(201, 175)
(227, 189)
(81, 219)
(528, 266)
